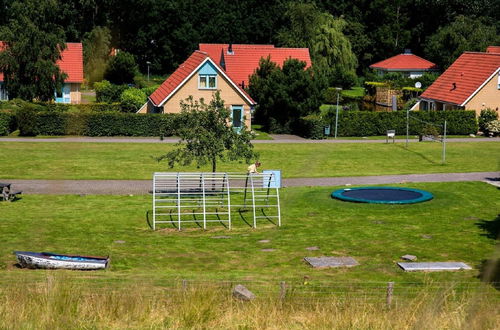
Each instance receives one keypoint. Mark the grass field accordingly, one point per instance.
(54, 160)
(459, 224)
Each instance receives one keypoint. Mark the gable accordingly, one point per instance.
(197, 62)
(207, 68)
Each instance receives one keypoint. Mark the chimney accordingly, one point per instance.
(407, 51)
(230, 49)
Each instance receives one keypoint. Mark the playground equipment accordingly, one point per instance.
(202, 198)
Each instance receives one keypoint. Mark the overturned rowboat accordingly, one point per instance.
(60, 261)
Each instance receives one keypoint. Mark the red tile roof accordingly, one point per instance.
(463, 77)
(245, 58)
(405, 62)
(184, 71)
(493, 49)
(71, 62)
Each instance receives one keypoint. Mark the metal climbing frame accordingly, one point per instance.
(203, 198)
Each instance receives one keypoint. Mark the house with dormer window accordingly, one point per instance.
(219, 67)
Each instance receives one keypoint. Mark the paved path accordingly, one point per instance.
(277, 139)
(123, 187)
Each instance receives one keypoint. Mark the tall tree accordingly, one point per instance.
(284, 94)
(96, 49)
(331, 50)
(463, 34)
(32, 46)
(206, 136)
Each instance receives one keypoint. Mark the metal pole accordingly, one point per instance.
(444, 143)
(407, 126)
(337, 113)
(148, 63)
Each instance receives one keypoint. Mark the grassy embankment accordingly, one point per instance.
(54, 160)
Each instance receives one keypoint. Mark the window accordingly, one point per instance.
(498, 82)
(207, 81)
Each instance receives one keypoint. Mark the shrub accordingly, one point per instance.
(485, 117)
(121, 69)
(330, 96)
(132, 99)
(105, 124)
(149, 90)
(107, 92)
(311, 127)
(368, 123)
(7, 123)
(493, 127)
(27, 120)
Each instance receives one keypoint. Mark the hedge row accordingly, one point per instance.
(367, 123)
(7, 123)
(96, 124)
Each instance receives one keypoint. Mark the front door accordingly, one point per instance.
(237, 117)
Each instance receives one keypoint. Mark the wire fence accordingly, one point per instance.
(303, 291)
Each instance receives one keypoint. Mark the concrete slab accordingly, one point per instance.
(432, 266)
(331, 262)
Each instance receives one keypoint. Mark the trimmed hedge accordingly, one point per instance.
(310, 127)
(7, 123)
(365, 123)
(104, 124)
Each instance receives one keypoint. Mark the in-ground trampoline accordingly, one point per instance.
(383, 195)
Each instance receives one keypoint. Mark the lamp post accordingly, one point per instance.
(337, 111)
(148, 64)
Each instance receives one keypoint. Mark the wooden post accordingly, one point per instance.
(388, 298)
(282, 290)
(184, 285)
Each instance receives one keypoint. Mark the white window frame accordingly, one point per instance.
(207, 78)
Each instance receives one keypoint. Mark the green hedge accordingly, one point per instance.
(7, 123)
(310, 127)
(104, 124)
(367, 123)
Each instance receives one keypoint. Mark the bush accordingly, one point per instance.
(107, 92)
(132, 99)
(485, 117)
(368, 123)
(121, 69)
(493, 127)
(7, 123)
(98, 107)
(330, 96)
(310, 127)
(26, 118)
(104, 124)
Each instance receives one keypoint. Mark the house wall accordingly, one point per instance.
(75, 94)
(227, 92)
(487, 97)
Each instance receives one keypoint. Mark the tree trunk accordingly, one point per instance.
(214, 164)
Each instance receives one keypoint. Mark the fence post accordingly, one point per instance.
(184, 285)
(282, 290)
(388, 298)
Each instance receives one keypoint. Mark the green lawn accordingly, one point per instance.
(354, 92)
(54, 160)
(260, 134)
(376, 235)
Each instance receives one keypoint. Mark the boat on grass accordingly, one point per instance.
(48, 260)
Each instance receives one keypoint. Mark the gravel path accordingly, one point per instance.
(123, 187)
(277, 139)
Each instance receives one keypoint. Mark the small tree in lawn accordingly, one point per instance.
(206, 136)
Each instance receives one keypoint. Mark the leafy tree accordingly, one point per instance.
(96, 49)
(207, 137)
(331, 50)
(132, 99)
(33, 44)
(107, 92)
(463, 34)
(121, 69)
(285, 94)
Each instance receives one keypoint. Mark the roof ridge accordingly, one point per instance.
(481, 53)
